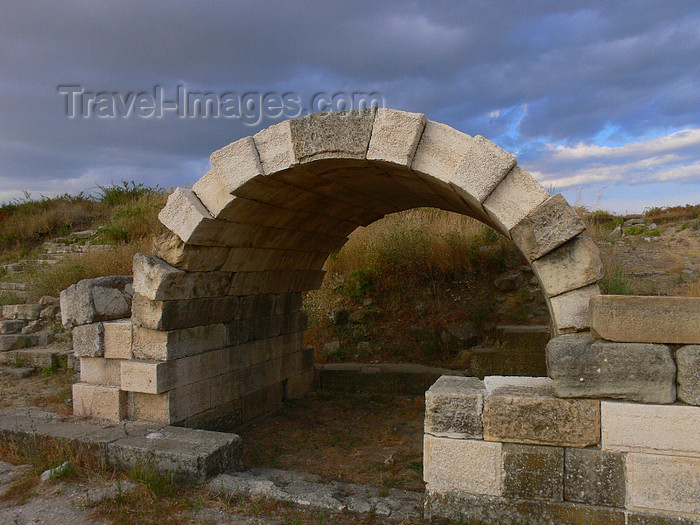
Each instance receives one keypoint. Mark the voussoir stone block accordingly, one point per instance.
(235, 164)
(570, 310)
(332, 135)
(525, 410)
(453, 407)
(98, 299)
(688, 363)
(581, 366)
(547, 227)
(663, 483)
(275, 147)
(533, 472)
(439, 151)
(395, 136)
(573, 265)
(106, 402)
(191, 258)
(515, 197)
(462, 465)
(186, 216)
(646, 319)
(482, 167)
(157, 280)
(595, 477)
(655, 429)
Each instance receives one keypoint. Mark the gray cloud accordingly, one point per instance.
(525, 74)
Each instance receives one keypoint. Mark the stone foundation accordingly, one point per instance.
(542, 459)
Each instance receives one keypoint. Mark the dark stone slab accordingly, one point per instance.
(594, 477)
(533, 472)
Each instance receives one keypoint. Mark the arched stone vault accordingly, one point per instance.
(223, 291)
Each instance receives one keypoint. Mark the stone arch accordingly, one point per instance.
(216, 312)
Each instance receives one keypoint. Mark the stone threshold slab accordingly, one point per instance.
(308, 490)
(189, 454)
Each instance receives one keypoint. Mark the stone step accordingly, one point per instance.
(187, 453)
(309, 491)
(21, 287)
(37, 357)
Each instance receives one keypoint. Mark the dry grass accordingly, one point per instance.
(694, 290)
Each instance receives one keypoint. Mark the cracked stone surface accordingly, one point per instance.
(307, 490)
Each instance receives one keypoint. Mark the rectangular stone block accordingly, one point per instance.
(453, 407)
(647, 518)
(149, 407)
(88, 340)
(100, 371)
(462, 465)
(688, 364)
(395, 136)
(662, 429)
(274, 145)
(256, 259)
(487, 510)
(106, 402)
(515, 197)
(25, 312)
(158, 345)
(275, 282)
(528, 412)
(533, 472)
(117, 339)
(664, 483)
(186, 216)
(595, 477)
(14, 326)
(147, 377)
(186, 313)
(159, 281)
(569, 311)
(573, 265)
(299, 385)
(585, 367)
(646, 319)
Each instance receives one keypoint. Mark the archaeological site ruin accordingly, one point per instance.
(214, 334)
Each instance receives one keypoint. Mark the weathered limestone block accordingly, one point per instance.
(569, 310)
(257, 259)
(23, 312)
(274, 145)
(453, 407)
(533, 472)
(160, 345)
(332, 135)
(13, 326)
(688, 362)
(660, 429)
(665, 483)
(236, 164)
(462, 465)
(157, 280)
(88, 340)
(439, 152)
(175, 315)
(106, 402)
(547, 227)
(16, 341)
(117, 339)
(395, 136)
(528, 412)
(186, 216)
(275, 282)
(646, 319)
(149, 407)
(487, 510)
(212, 193)
(98, 299)
(655, 518)
(100, 371)
(147, 377)
(585, 367)
(482, 167)
(188, 257)
(571, 266)
(515, 197)
(595, 477)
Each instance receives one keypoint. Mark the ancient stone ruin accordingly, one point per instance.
(215, 336)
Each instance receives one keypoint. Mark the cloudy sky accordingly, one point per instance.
(600, 100)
